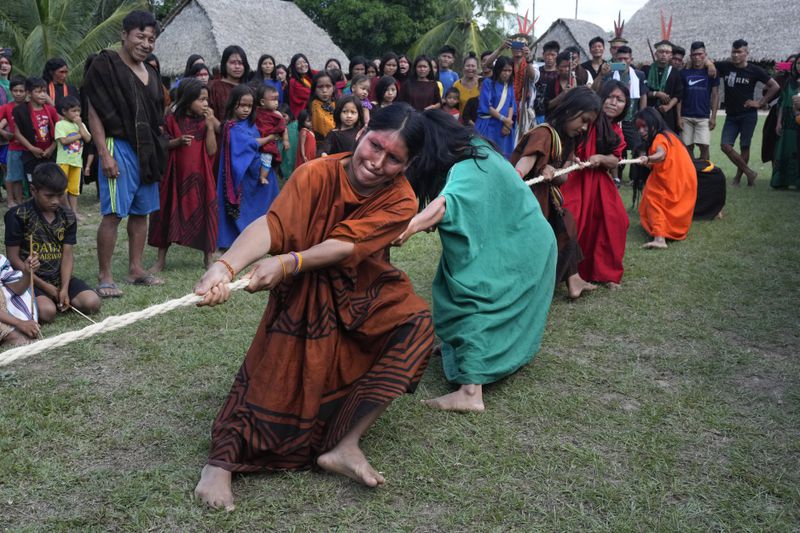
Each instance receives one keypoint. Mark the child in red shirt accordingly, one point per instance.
(35, 126)
(15, 173)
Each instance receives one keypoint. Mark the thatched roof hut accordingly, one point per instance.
(273, 27)
(769, 26)
(572, 32)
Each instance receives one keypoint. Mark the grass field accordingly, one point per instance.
(669, 405)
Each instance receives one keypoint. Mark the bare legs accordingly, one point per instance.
(14, 190)
(161, 262)
(741, 161)
(468, 398)
(576, 285)
(107, 240)
(346, 458)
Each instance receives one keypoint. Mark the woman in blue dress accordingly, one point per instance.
(497, 108)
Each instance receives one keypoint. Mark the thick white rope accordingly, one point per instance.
(109, 324)
(576, 166)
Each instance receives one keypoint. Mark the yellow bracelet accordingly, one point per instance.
(298, 261)
(283, 267)
(228, 266)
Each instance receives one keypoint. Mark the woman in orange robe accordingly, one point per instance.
(670, 193)
(343, 334)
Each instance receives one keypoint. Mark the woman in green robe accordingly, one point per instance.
(495, 280)
(786, 162)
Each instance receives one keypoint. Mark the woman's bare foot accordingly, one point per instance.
(468, 398)
(348, 460)
(576, 285)
(614, 286)
(658, 243)
(161, 261)
(719, 216)
(214, 488)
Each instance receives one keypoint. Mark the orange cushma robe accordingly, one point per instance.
(670, 193)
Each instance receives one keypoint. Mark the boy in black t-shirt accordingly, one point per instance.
(741, 111)
(53, 229)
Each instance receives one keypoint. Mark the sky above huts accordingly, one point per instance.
(601, 13)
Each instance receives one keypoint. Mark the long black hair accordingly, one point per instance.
(570, 105)
(607, 138)
(233, 100)
(655, 124)
(435, 143)
(190, 61)
(340, 103)
(388, 56)
(187, 92)
(383, 84)
(293, 73)
(412, 75)
(258, 74)
(51, 66)
(501, 63)
(226, 55)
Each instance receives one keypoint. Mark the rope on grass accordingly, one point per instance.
(111, 323)
(576, 166)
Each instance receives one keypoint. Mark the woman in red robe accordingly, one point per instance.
(300, 76)
(592, 196)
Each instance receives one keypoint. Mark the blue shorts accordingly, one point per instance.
(741, 126)
(3, 154)
(16, 172)
(126, 195)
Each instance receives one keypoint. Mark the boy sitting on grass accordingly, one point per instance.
(54, 230)
(17, 319)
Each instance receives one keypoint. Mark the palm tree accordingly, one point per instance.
(37, 30)
(461, 28)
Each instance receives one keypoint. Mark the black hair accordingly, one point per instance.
(68, 103)
(655, 124)
(624, 49)
(567, 106)
(413, 74)
(340, 103)
(195, 69)
(139, 20)
(354, 62)
(336, 75)
(485, 54)
(33, 82)
(607, 140)
(371, 65)
(16, 80)
(697, 45)
(551, 45)
(573, 50)
(501, 63)
(338, 63)
(608, 87)
(447, 49)
(357, 79)
(739, 43)
(226, 55)
(190, 61)
(382, 86)
(315, 81)
(388, 56)
(566, 55)
(51, 66)
(259, 74)
(261, 91)
(678, 51)
(49, 177)
(153, 57)
(470, 55)
(285, 109)
(236, 95)
(597, 40)
(303, 117)
(292, 72)
(187, 92)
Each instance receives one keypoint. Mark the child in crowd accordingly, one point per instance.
(360, 89)
(35, 126)
(52, 229)
(321, 105)
(71, 134)
(17, 314)
(241, 196)
(349, 121)
(289, 148)
(385, 91)
(270, 124)
(15, 173)
(306, 143)
(450, 102)
(188, 193)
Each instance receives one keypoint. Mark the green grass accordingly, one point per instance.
(671, 405)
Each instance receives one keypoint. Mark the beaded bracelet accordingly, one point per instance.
(228, 266)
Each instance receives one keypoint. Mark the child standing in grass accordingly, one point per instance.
(35, 126)
(52, 228)
(18, 324)
(188, 193)
(71, 133)
(15, 173)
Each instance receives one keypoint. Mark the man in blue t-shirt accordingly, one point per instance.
(698, 115)
(447, 56)
(739, 79)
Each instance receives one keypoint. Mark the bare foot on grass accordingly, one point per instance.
(468, 398)
(214, 488)
(348, 460)
(658, 243)
(614, 286)
(751, 178)
(576, 285)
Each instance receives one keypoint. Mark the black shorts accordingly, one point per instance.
(76, 286)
